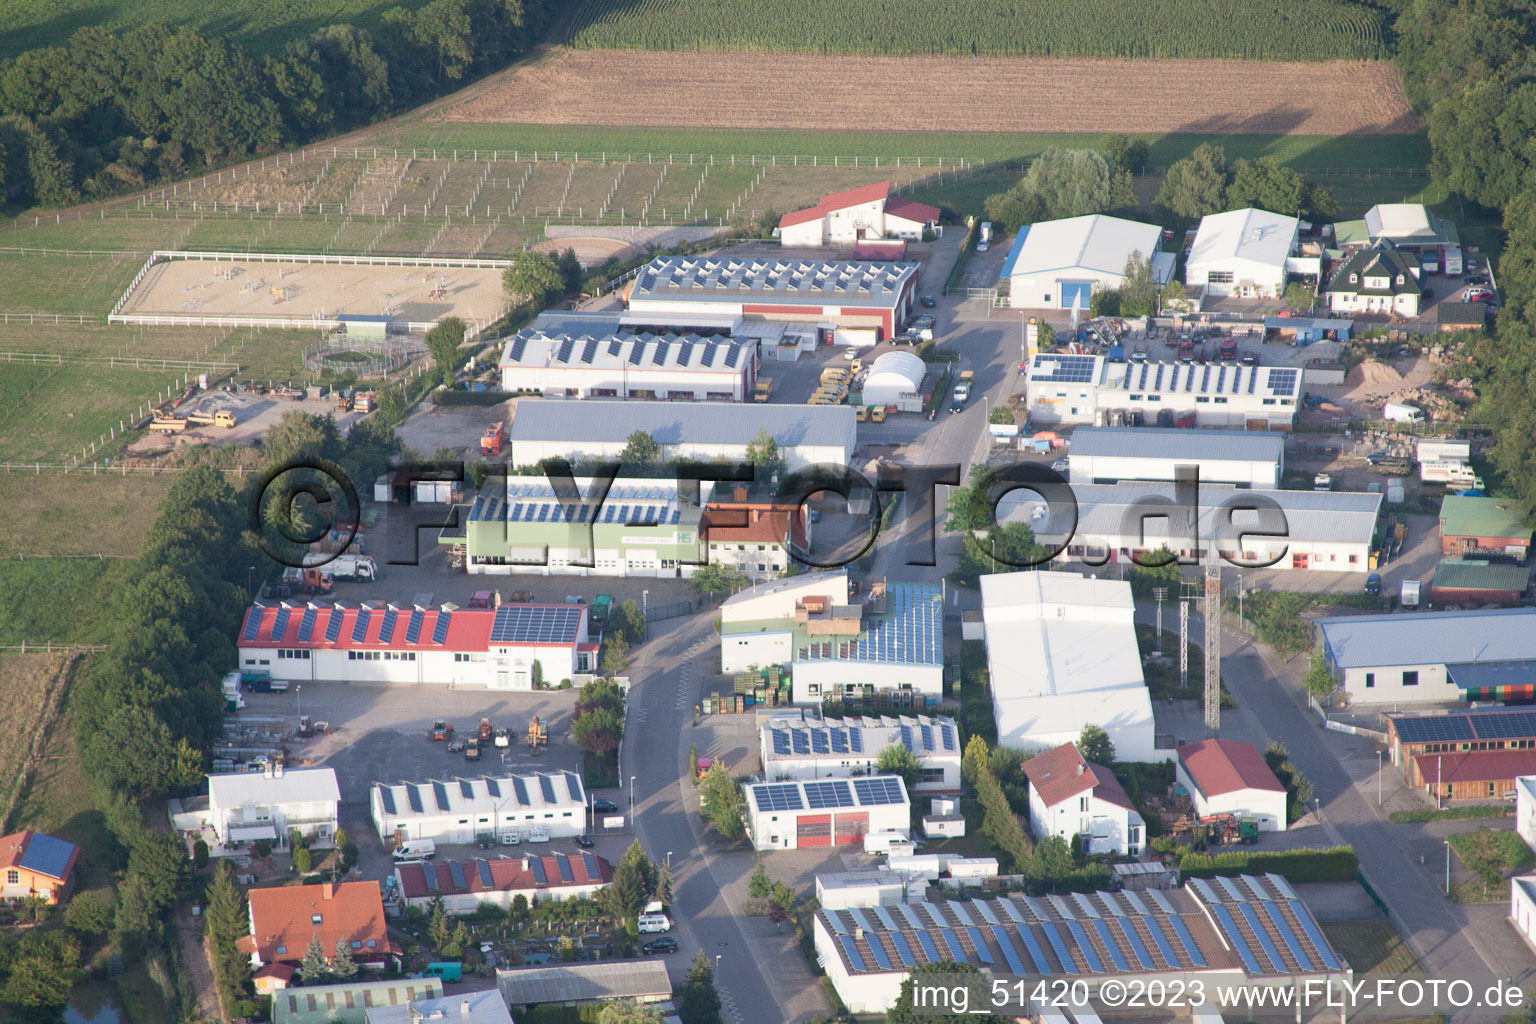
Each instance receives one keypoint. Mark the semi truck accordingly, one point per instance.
(353, 568)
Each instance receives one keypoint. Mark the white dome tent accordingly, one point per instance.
(894, 379)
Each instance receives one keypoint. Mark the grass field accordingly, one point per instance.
(1492, 855)
(67, 410)
(261, 25)
(26, 680)
(105, 514)
(1303, 30)
(31, 283)
(1371, 947)
(56, 600)
(58, 802)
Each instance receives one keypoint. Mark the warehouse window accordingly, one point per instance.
(1410, 679)
(1219, 277)
(1370, 680)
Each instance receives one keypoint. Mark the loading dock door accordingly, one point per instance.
(1076, 292)
(814, 830)
(851, 829)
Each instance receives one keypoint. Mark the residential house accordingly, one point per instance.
(1068, 796)
(36, 865)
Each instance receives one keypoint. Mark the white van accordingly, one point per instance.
(880, 842)
(538, 834)
(655, 923)
(415, 850)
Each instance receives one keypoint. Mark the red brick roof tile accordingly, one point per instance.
(1226, 766)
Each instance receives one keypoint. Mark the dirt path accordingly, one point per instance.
(1014, 94)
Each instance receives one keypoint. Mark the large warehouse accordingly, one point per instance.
(1062, 654)
(703, 432)
(1246, 929)
(460, 810)
(795, 747)
(1330, 531)
(1243, 253)
(896, 378)
(496, 648)
(869, 211)
(836, 812)
(1424, 657)
(675, 367)
(1102, 455)
(1071, 390)
(891, 641)
(852, 303)
(1059, 264)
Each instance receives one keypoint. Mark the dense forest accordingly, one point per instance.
(107, 113)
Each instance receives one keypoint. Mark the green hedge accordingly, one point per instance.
(448, 397)
(1338, 864)
(1451, 813)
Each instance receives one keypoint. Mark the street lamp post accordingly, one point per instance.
(645, 614)
(1447, 869)
(1239, 600)
(1378, 778)
(631, 801)
(669, 860)
(298, 696)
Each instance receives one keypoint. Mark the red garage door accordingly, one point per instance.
(814, 830)
(851, 829)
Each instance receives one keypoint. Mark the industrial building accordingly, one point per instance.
(1470, 754)
(482, 1006)
(1522, 906)
(1477, 581)
(1070, 797)
(1382, 281)
(645, 981)
(1062, 654)
(1230, 777)
(1243, 253)
(866, 212)
(1411, 227)
(1246, 929)
(460, 810)
(346, 1002)
(1424, 657)
(1059, 264)
(1102, 455)
(495, 648)
(895, 379)
(249, 807)
(1481, 527)
(1307, 330)
(674, 367)
(849, 303)
(889, 641)
(835, 812)
(1073, 390)
(1328, 531)
(464, 885)
(797, 747)
(701, 432)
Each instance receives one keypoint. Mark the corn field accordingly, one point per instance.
(1243, 29)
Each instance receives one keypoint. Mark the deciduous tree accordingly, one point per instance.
(1095, 745)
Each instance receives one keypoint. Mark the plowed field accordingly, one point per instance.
(1004, 94)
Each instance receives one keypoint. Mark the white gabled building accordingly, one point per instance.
(1062, 654)
(833, 812)
(1426, 657)
(1059, 264)
(869, 211)
(1242, 253)
(811, 748)
(248, 807)
(1069, 797)
(1245, 458)
(1072, 390)
(459, 810)
(610, 364)
(1229, 777)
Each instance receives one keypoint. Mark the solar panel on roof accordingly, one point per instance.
(1186, 940)
(467, 788)
(1011, 909)
(839, 740)
(882, 790)
(487, 881)
(1259, 932)
(413, 796)
(387, 629)
(1135, 902)
(903, 950)
(429, 872)
(1054, 937)
(47, 855)
(801, 741)
(859, 918)
(910, 914)
(856, 740)
(828, 794)
(985, 912)
(982, 952)
(1158, 936)
(781, 797)
(885, 918)
(457, 871)
(520, 787)
(252, 624)
(1281, 885)
(563, 865)
(360, 627)
(819, 741)
(1032, 946)
(493, 787)
(1283, 928)
(1253, 886)
(1231, 888)
(933, 915)
(960, 913)
(877, 951)
(1109, 901)
(536, 866)
(1239, 943)
(930, 950)
(1138, 947)
(1110, 945)
(1010, 952)
(387, 798)
(547, 787)
(307, 625)
(947, 733)
(837, 924)
(854, 959)
(1037, 908)
(780, 741)
(590, 863)
(280, 624)
(1085, 904)
(1204, 889)
(413, 627)
(956, 951)
(1061, 908)
(440, 794)
(573, 787)
(333, 626)
(1089, 953)
(1318, 942)
(1161, 901)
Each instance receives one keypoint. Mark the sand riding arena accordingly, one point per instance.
(313, 291)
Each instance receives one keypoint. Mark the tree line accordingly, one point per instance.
(111, 112)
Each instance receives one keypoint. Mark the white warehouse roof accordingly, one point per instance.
(1095, 242)
(1400, 220)
(1173, 443)
(1255, 236)
(902, 367)
(1431, 638)
(672, 423)
(712, 279)
(255, 789)
(481, 796)
(1090, 645)
(534, 348)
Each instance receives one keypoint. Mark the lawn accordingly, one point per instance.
(70, 409)
(30, 283)
(1371, 947)
(1355, 153)
(57, 600)
(1492, 856)
(75, 514)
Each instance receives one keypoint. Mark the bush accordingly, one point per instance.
(262, 848)
(1451, 813)
(1338, 864)
(199, 855)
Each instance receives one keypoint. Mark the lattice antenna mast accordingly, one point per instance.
(1212, 641)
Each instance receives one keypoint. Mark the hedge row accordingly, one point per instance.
(1451, 813)
(1338, 864)
(444, 396)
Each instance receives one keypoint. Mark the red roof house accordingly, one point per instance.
(284, 920)
(33, 864)
(1229, 777)
(1069, 796)
(464, 885)
(869, 211)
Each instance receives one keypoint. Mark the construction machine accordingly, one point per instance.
(222, 418)
(486, 732)
(538, 735)
(441, 730)
(494, 437)
(307, 581)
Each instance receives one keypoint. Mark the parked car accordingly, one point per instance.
(1477, 295)
(604, 806)
(472, 750)
(1249, 359)
(1060, 465)
(1373, 583)
(584, 841)
(664, 945)
(928, 301)
(850, 354)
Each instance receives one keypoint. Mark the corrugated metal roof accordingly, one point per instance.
(1479, 574)
(483, 800)
(1254, 236)
(788, 282)
(1168, 443)
(1469, 516)
(678, 423)
(1095, 243)
(1431, 638)
(535, 348)
(573, 983)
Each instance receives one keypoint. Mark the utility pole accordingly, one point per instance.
(1183, 643)
(1161, 594)
(1212, 641)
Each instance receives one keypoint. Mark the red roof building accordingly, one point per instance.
(754, 536)
(1069, 796)
(272, 977)
(33, 864)
(464, 885)
(1474, 774)
(1229, 777)
(869, 211)
(284, 920)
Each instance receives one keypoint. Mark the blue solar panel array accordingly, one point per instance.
(252, 624)
(1054, 937)
(536, 866)
(387, 798)
(547, 787)
(413, 797)
(1187, 941)
(1036, 953)
(1284, 930)
(1466, 726)
(853, 953)
(387, 630)
(440, 630)
(47, 855)
(563, 864)
(956, 951)
(360, 627)
(307, 625)
(1318, 942)
(828, 794)
(1094, 963)
(440, 794)
(457, 871)
(1010, 952)
(516, 624)
(1072, 369)
(877, 951)
(1282, 382)
(903, 949)
(778, 797)
(1238, 942)
(280, 624)
(982, 953)
(1111, 946)
(911, 631)
(333, 626)
(1259, 933)
(413, 628)
(487, 880)
(882, 790)
(780, 741)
